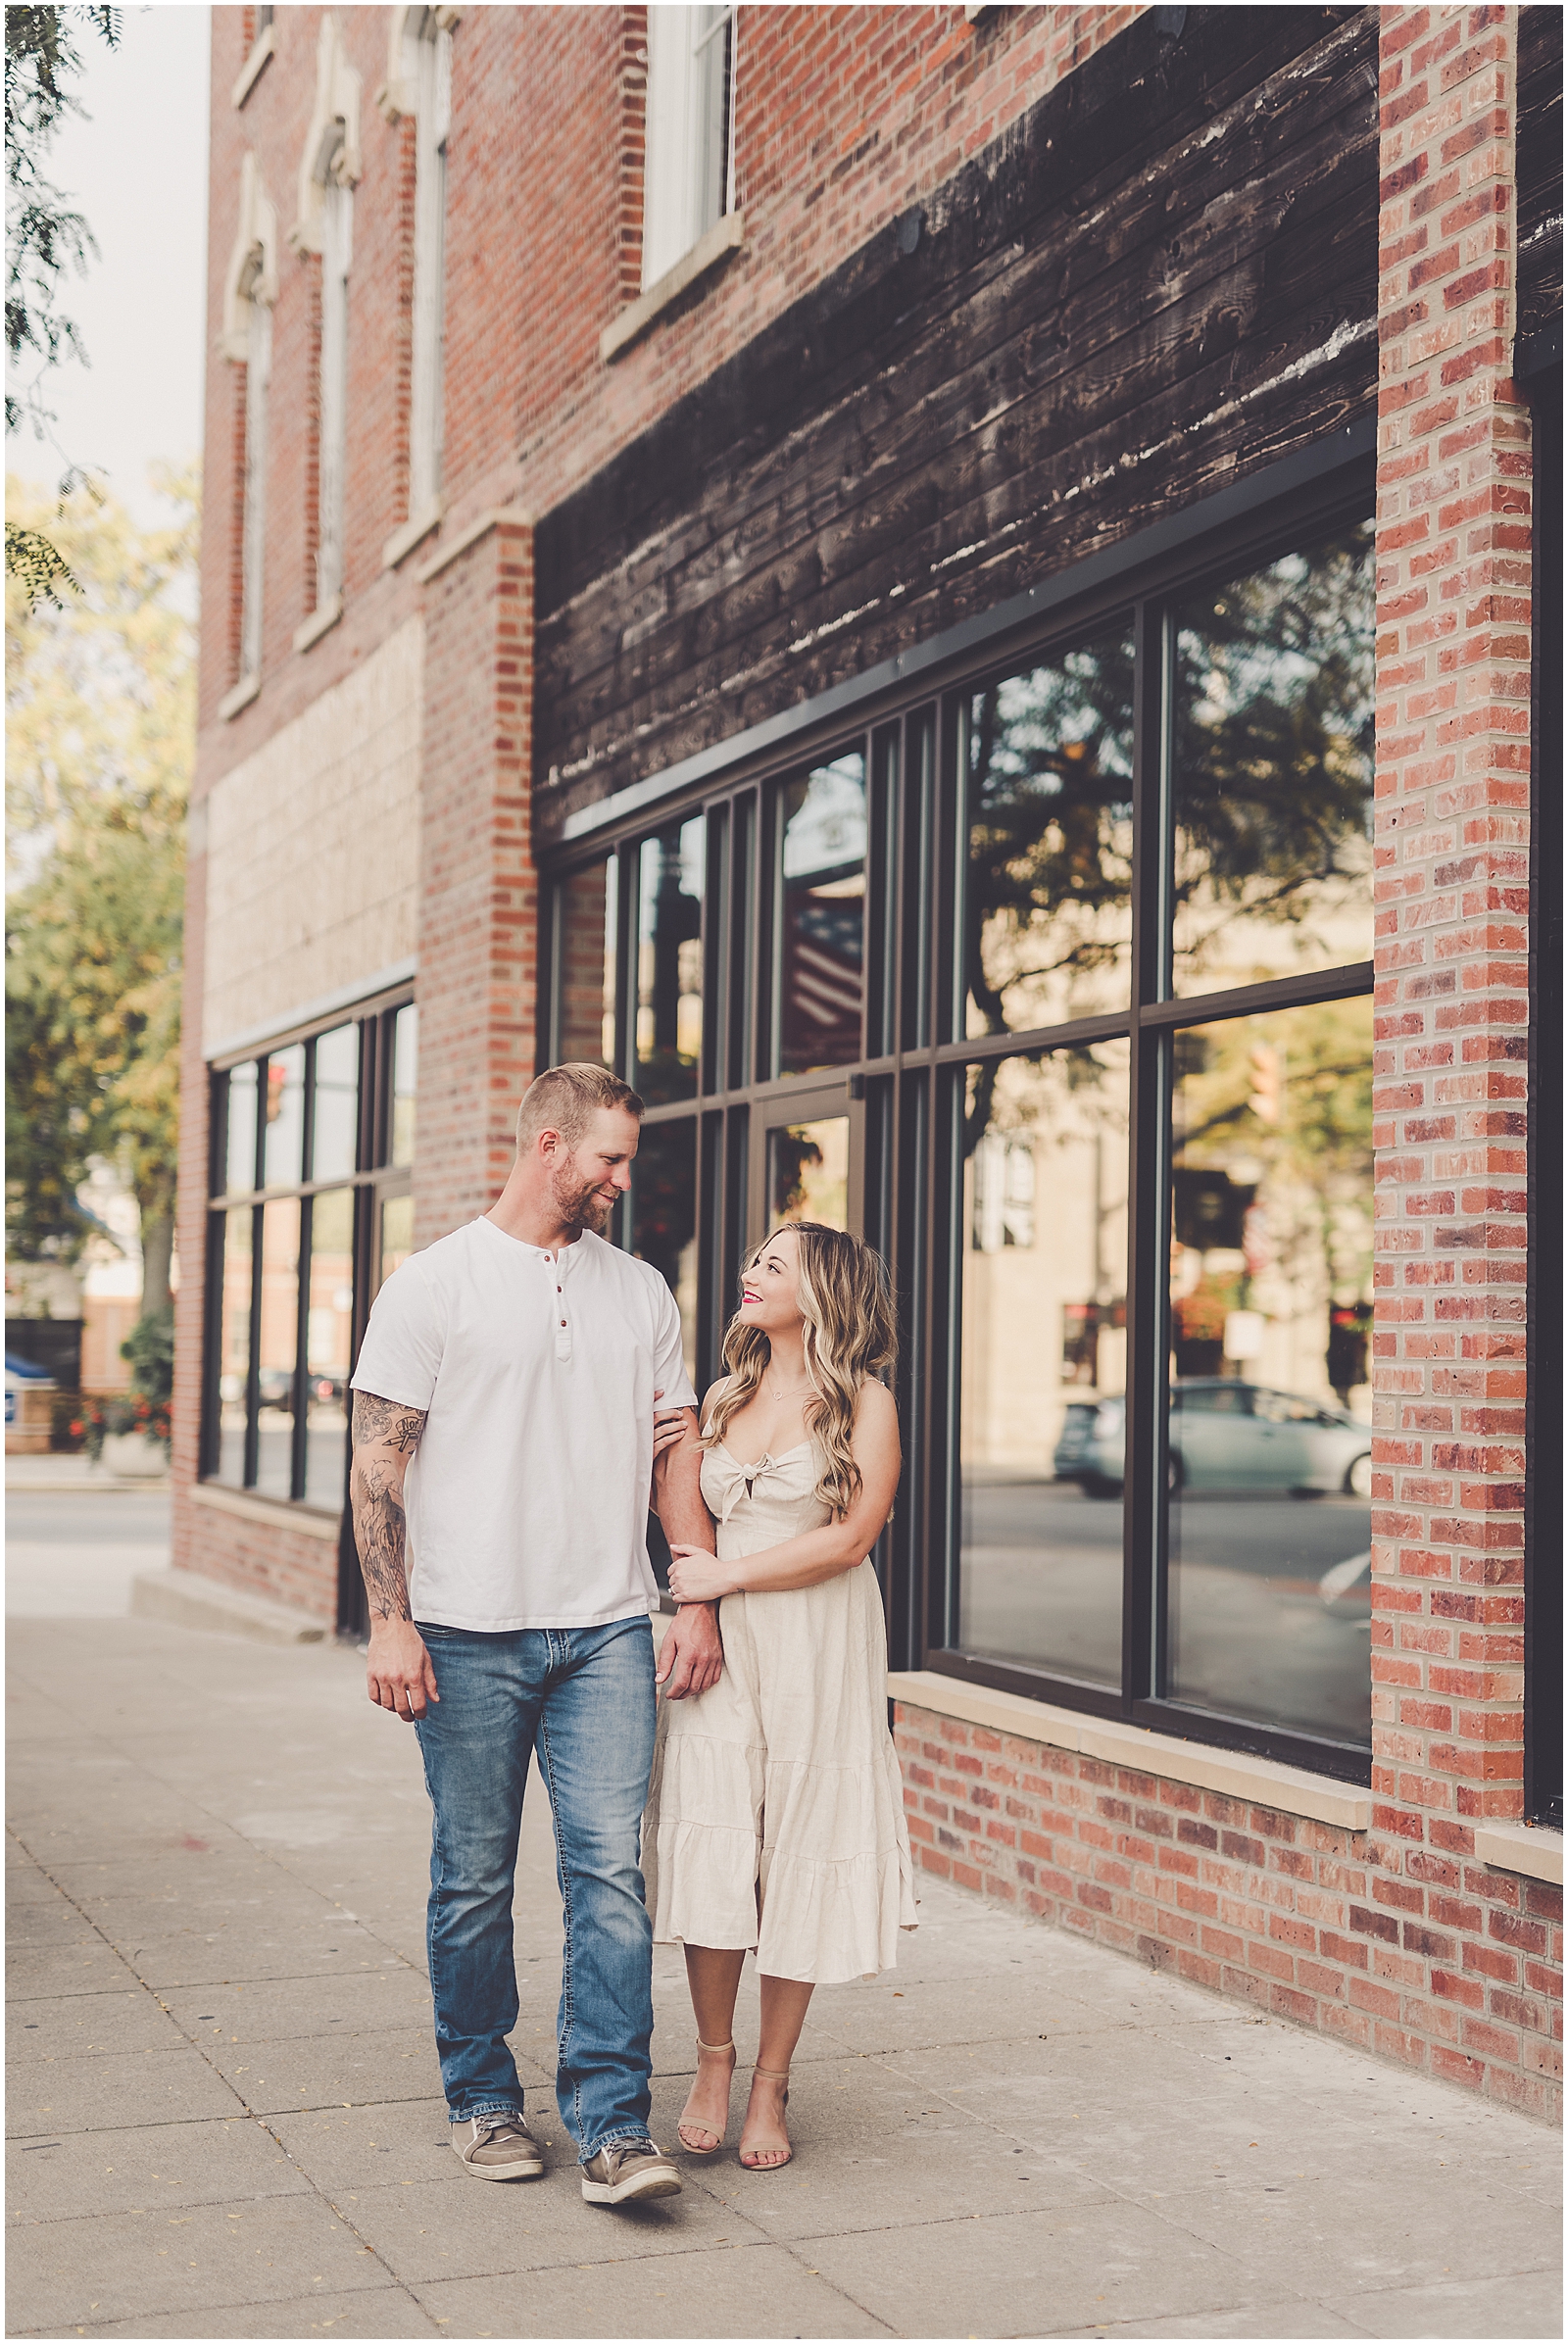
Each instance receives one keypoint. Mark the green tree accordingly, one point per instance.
(100, 723)
(44, 237)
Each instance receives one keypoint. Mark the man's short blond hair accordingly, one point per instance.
(566, 1099)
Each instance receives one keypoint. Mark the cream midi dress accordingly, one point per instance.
(775, 1809)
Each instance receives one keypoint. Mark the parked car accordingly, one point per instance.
(1226, 1435)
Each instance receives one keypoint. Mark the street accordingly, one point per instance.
(225, 2116)
(1266, 1598)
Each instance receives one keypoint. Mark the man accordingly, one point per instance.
(515, 1365)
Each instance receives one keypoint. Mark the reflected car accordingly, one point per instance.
(1226, 1435)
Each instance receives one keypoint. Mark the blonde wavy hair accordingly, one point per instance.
(849, 1334)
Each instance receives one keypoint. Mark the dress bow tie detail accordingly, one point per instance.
(738, 1481)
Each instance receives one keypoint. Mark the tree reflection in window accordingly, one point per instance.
(663, 1216)
(1272, 765)
(669, 963)
(1049, 913)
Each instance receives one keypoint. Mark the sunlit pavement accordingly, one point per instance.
(226, 2120)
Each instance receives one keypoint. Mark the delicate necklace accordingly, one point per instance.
(783, 1395)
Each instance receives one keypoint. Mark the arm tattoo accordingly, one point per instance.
(380, 1526)
(380, 1531)
(386, 1420)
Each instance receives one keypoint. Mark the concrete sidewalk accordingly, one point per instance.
(227, 2119)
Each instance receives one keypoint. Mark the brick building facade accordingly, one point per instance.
(1002, 686)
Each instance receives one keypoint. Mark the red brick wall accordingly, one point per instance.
(1452, 856)
(845, 116)
(260, 1559)
(1456, 1969)
(478, 897)
(1398, 1938)
(632, 151)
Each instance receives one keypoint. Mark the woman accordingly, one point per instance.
(776, 1815)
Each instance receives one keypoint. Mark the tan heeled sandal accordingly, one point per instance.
(714, 2051)
(770, 2149)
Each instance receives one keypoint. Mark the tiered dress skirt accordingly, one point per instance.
(775, 1810)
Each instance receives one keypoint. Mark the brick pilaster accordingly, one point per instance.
(478, 897)
(1452, 847)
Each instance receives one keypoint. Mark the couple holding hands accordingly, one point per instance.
(519, 1390)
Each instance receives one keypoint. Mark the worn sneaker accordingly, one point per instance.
(627, 2170)
(498, 2147)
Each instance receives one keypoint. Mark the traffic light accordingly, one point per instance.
(1268, 1081)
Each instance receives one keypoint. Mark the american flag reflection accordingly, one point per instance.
(822, 988)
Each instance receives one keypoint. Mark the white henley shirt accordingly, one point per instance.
(527, 1497)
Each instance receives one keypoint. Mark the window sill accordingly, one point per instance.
(250, 72)
(284, 1513)
(320, 621)
(415, 530)
(1523, 1847)
(451, 548)
(240, 696)
(1231, 1774)
(726, 235)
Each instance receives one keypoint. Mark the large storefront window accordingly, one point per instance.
(310, 1210)
(1044, 1350)
(1269, 1445)
(1056, 984)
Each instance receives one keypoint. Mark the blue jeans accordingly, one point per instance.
(583, 1698)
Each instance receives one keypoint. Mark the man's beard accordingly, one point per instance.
(579, 1203)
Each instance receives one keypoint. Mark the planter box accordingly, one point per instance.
(130, 1457)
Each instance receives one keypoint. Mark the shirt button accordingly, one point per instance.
(562, 1322)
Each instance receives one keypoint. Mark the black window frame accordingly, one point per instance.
(908, 1085)
(373, 1182)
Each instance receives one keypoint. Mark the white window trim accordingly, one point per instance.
(262, 48)
(330, 154)
(1527, 1848)
(628, 326)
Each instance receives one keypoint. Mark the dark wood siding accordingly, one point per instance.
(1164, 277)
(1538, 162)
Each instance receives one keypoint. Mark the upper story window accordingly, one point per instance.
(329, 167)
(433, 108)
(690, 149)
(250, 292)
(419, 88)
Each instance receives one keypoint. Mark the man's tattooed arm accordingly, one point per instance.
(386, 1434)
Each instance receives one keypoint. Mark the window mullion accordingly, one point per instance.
(253, 1370)
(1141, 1514)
